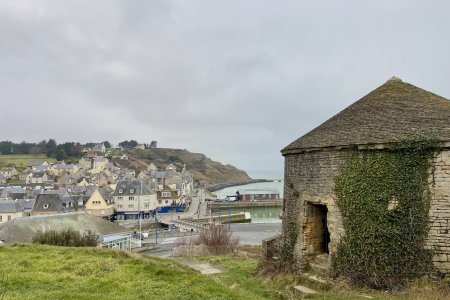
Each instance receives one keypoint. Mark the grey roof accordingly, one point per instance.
(391, 113)
(100, 159)
(80, 198)
(9, 190)
(9, 206)
(26, 204)
(134, 187)
(52, 201)
(160, 174)
(38, 174)
(106, 193)
(64, 166)
(35, 162)
(258, 191)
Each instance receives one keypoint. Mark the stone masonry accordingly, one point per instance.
(309, 179)
(309, 182)
(439, 234)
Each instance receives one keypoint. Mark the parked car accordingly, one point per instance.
(230, 198)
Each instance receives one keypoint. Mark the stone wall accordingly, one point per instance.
(439, 235)
(309, 178)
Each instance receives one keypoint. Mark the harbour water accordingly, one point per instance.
(258, 214)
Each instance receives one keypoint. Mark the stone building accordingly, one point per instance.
(386, 115)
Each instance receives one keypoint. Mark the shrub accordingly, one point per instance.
(67, 237)
(217, 238)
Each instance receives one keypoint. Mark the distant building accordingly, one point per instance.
(259, 194)
(133, 200)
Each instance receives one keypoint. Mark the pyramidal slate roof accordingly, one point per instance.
(390, 113)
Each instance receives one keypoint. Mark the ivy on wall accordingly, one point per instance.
(290, 228)
(384, 200)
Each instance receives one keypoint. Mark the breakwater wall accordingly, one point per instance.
(220, 186)
(242, 204)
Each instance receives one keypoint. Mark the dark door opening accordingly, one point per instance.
(325, 233)
(316, 229)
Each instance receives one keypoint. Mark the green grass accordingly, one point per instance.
(21, 160)
(46, 272)
(114, 152)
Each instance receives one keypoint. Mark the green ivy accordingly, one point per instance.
(384, 200)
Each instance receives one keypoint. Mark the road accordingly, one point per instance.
(249, 234)
(198, 207)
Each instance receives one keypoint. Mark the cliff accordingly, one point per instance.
(199, 165)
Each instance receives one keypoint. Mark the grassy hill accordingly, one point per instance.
(45, 272)
(21, 160)
(201, 167)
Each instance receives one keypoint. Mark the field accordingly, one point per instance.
(21, 160)
(45, 272)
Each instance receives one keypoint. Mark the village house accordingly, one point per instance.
(133, 200)
(49, 204)
(26, 206)
(9, 172)
(60, 168)
(9, 210)
(259, 194)
(34, 164)
(85, 163)
(100, 203)
(389, 114)
(14, 193)
(152, 168)
(37, 177)
(99, 164)
(99, 147)
(168, 197)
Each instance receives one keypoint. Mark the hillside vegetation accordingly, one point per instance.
(46, 272)
(21, 160)
(200, 166)
(49, 272)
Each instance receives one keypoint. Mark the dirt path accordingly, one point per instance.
(203, 267)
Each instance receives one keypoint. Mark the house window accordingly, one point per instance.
(165, 194)
(120, 206)
(119, 198)
(120, 191)
(1, 219)
(9, 218)
(130, 205)
(131, 191)
(146, 206)
(45, 206)
(131, 198)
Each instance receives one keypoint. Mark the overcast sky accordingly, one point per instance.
(235, 80)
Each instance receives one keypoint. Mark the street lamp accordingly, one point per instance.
(156, 224)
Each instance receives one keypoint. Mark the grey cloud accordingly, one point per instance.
(236, 80)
